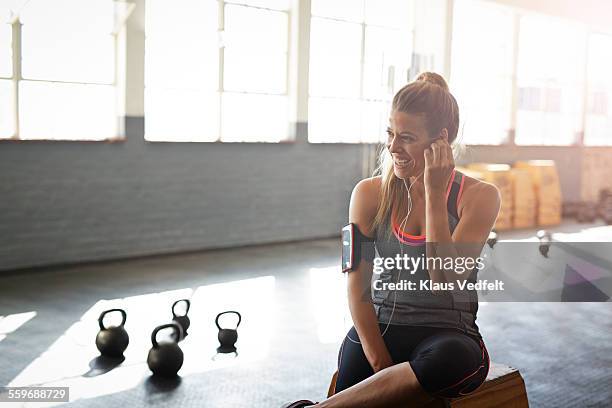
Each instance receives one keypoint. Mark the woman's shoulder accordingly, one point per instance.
(367, 191)
(364, 203)
(478, 192)
(370, 185)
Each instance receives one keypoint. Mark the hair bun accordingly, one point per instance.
(433, 78)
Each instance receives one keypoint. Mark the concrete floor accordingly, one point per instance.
(288, 338)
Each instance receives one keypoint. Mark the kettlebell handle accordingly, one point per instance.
(187, 302)
(229, 311)
(175, 326)
(101, 318)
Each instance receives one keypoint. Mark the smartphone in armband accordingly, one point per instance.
(348, 255)
(355, 245)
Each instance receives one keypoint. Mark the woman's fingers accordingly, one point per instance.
(435, 151)
(428, 154)
(444, 153)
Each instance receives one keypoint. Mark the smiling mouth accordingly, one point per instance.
(402, 164)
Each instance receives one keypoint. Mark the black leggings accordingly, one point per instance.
(447, 362)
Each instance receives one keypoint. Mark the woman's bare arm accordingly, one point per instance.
(480, 209)
(364, 201)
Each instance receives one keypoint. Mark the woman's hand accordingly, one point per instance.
(439, 164)
(380, 361)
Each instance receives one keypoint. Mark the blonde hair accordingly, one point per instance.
(427, 95)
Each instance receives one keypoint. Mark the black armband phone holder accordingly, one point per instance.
(355, 247)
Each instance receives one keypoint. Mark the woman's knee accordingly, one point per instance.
(449, 365)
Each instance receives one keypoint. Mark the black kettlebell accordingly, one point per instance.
(227, 337)
(544, 237)
(183, 320)
(492, 239)
(112, 341)
(165, 359)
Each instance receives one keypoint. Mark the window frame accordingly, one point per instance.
(16, 78)
(579, 135)
(361, 99)
(221, 5)
(297, 67)
(588, 88)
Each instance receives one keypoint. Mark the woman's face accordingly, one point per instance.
(407, 140)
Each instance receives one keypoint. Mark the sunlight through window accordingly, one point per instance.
(82, 105)
(10, 323)
(598, 126)
(230, 85)
(481, 71)
(360, 53)
(550, 84)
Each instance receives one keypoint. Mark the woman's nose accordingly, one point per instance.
(392, 145)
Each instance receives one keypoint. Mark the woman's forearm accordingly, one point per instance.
(439, 240)
(366, 324)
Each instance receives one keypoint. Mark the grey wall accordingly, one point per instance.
(64, 202)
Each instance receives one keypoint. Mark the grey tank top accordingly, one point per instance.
(446, 309)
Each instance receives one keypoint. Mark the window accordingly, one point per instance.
(216, 71)
(6, 38)
(64, 83)
(550, 81)
(598, 120)
(7, 113)
(360, 54)
(482, 70)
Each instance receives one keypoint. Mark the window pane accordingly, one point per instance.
(374, 121)
(333, 120)
(254, 118)
(429, 44)
(68, 40)
(348, 10)
(598, 126)
(253, 71)
(181, 71)
(386, 60)
(172, 59)
(350, 97)
(484, 94)
(66, 111)
(335, 58)
(255, 56)
(550, 84)
(247, 27)
(6, 52)
(7, 121)
(181, 115)
(389, 13)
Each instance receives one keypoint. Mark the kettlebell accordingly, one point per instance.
(112, 341)
(165, 359)
(545, 238)
(227, 337)
(492, 239)
(182, 320)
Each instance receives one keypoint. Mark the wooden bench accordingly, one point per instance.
(503, 388)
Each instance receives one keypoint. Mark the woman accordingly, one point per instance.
(407, 345)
